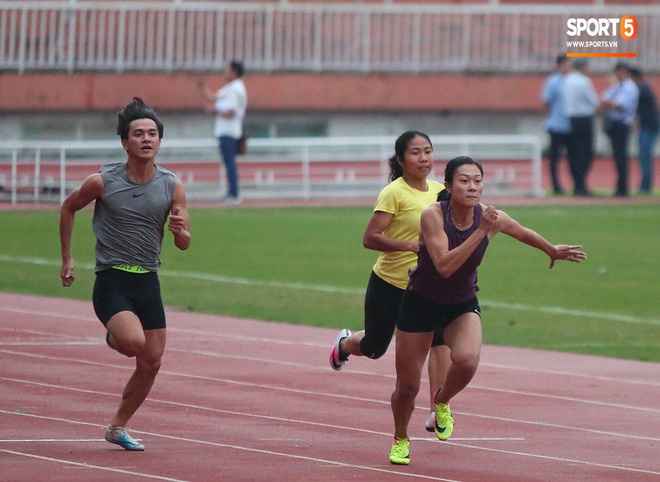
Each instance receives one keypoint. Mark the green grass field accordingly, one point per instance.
(307, 265)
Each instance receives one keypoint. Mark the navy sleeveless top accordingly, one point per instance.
(460, 286)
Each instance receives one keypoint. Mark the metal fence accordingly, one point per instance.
(316, 37)
(273, 169)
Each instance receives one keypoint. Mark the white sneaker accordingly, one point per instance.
(430, 422)
(337, 360)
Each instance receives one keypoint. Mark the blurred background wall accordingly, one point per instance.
(312, 68)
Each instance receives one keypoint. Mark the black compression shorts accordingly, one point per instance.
(420, 315)
(381, 309)
(139, 293)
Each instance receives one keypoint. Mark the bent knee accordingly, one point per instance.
(372, 350)
(467, 362)
(375, 355)
(406, 389)
(130, 347)
(149, 367)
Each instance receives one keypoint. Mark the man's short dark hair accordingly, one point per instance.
(636, 72)
(133, 111)
(622, 65)
(561, 59)
(237, 67)
(581, 62)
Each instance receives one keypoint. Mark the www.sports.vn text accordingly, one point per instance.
(591, 43)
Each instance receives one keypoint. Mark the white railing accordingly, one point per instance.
(315, 37)
(294, 168)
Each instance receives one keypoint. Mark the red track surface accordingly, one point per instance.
(250, 400)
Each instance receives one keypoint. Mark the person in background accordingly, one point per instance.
(394, 231)
(647, 115)
(620, 107)
(134, 200)
(442, 294)
(581, 102)
(230, 106)
(557, 123)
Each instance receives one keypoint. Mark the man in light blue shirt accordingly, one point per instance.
(557, 123)
(620, 106)
(581, 102)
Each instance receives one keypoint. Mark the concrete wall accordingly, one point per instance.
(84, 106)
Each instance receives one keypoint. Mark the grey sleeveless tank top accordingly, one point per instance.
(129, 223)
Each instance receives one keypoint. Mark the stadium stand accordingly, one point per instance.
(452, 56)
(314, 68)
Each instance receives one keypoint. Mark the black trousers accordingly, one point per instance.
(558, 145)
(619, 133)
(580, 151)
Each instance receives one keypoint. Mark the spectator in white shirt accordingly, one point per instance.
(581, 101)
(230, 105)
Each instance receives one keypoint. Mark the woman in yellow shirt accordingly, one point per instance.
(394, 231)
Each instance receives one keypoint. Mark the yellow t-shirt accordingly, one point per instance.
(405, 204)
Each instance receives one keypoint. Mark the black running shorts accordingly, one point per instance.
(139, 293)
(420, 315)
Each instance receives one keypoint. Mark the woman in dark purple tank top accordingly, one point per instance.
(455, 233)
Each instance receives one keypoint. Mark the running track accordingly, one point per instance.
(250, 400)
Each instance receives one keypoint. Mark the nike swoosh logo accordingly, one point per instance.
(138, 194)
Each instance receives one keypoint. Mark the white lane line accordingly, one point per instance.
(90, 466)
(288, 342)
(45, 440)
(310, 393)
(222, 445)
(288, 455)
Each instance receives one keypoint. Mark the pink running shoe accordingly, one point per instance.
(338, 360)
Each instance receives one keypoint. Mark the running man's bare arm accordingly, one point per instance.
(179, 221)
(91, 189)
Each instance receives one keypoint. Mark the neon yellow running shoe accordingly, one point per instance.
(400, 453)
(444, 423)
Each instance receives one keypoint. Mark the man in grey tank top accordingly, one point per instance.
(134, 200)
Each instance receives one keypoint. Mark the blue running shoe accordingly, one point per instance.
(119, 436)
